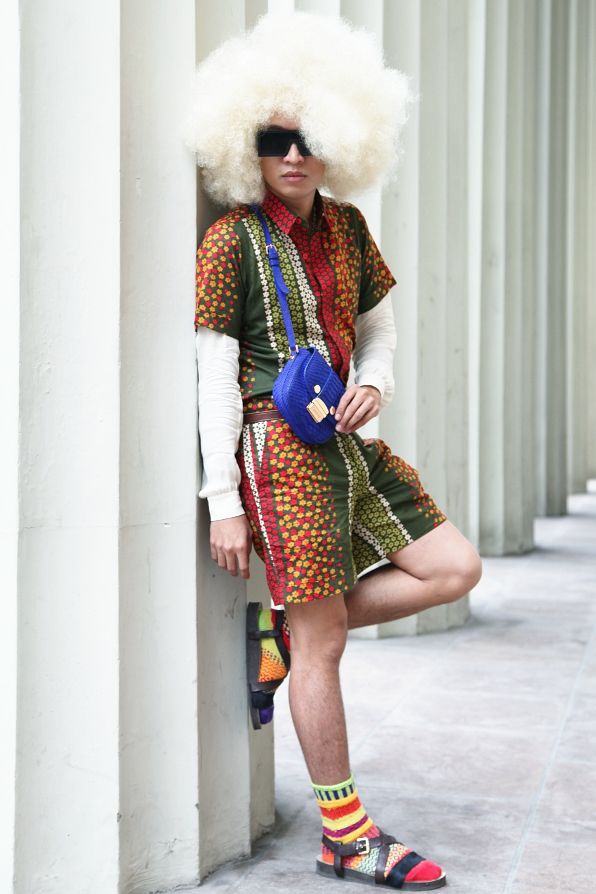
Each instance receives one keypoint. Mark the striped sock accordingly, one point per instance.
(273, 666)
(345, 819)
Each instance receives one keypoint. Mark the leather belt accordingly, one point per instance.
(256, 415)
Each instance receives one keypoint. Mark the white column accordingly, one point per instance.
(525, 480)
(578, 245)
(556, 367)
(69, 724)
(492, 313)
(590, 405)
(236, 767)
(9, 443)
(543, 65)
(424, 239)
(552, 261)
(161, 799)
(369, 16)
(506, 503)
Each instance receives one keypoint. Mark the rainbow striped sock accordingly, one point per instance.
(345, 819)
(273, 666)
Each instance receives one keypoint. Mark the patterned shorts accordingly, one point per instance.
(321, 514)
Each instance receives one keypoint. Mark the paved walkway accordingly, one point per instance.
(477, 747)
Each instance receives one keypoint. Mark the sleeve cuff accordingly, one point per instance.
(225, 505)
(372, 379)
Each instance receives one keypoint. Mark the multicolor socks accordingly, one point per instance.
(267, 659)
(345, 820)
(273, 666)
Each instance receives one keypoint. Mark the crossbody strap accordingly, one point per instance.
(280, 285)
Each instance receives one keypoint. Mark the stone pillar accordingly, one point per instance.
(590, 404)
(578, 245)
(552, 333)
(506, 505)
(9, 442)
(523, 530)
(69, 729)
(424, 239)
(162, 810)
(236, 778)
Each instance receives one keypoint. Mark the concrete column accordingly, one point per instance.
(578, 245)
(236, 767)
(323, 7)
(556, 448)
(590, 372)
(543, 65)
(69, 683)
(424, 229)
(506, 506)
(476, 56)
(552, 471)
(526, 459)
(162, 808)
(9, 443)
(370, 16)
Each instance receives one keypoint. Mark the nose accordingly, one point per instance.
(293, 155)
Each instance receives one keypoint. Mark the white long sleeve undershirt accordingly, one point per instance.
(220, 400)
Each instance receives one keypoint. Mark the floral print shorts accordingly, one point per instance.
(321, 514)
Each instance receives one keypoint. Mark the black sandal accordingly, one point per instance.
(394, 879)
(260, 693)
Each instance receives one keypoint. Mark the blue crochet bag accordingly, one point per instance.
(307, 390)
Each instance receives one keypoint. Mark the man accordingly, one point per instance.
(318, 515)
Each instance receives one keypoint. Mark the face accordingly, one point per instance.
(293, 177)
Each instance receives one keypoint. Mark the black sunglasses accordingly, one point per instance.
(277, 141)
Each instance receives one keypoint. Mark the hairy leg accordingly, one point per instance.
(437, 568)
(319, 630)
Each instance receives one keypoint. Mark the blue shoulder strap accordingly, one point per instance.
(280, 285)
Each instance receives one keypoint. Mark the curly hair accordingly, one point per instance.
(315, 69)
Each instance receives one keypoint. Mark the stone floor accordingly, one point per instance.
(477, 747)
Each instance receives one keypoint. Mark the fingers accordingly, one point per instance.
(231, 543)
(358, 405)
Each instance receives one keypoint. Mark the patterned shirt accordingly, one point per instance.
(333, 274)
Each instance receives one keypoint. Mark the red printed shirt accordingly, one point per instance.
(333, 274)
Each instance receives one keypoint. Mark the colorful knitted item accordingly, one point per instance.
(345, 819)
(273, 666)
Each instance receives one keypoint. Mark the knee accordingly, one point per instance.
(463, 575)
(319, 633)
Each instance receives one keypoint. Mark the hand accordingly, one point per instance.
(358, 405)
(231, 541)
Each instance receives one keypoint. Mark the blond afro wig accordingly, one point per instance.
(315, 69)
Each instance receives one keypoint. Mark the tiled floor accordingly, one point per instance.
(476, 747)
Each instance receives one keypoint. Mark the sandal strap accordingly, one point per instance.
(358, 846)
(267, 634)
(398, 872)
(264, 634)
(395, 878)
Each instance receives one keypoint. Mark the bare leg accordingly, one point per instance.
(319, 631)
(437, 568)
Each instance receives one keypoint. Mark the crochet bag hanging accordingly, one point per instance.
(307, 390)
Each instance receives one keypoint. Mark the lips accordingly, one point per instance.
(294, 176)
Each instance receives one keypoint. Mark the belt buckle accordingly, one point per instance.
(363, 845)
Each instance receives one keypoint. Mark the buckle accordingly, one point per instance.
(363, 845)
(318, 409)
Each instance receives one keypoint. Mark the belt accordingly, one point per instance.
(256, 415)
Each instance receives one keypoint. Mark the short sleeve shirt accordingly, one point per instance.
(333, 274)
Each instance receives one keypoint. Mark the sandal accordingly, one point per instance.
(260, 692)
(394, 879)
